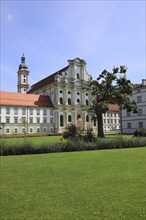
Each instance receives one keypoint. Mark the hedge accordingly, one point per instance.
(71, 145)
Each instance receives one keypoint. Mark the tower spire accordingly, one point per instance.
(23, 74)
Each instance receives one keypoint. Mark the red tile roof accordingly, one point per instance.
(113, 107)
(19, 99)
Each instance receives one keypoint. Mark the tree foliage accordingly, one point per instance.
(110, 88)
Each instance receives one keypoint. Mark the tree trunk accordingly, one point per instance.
(100, 125)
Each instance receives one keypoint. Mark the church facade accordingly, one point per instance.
(68, 99)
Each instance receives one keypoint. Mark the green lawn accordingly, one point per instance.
(93, 185)
(34, 140)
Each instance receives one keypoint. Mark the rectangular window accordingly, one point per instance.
(7, 120)
(30, 130)
(44, 111)
(23, 130)
(7, 130)
(38, 111)
(51, 111)
(38, 120)
(31, 111)
(51, 120)
(140, 111)
(7, 111)
(45, 130)
(23, 111)
(45, 120)
(15, 130)
(38, 130)
(30, 120)
(128, 125)
(15, 111)
(15, 120)
(139, 99)
(140, 124)
(128, 114)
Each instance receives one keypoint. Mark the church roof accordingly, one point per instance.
(46, 80)
(19, 99)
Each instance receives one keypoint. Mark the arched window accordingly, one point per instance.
(69, 92)
(78, 76)
(78, 100)
(61, 91)
(61, 100)
(69, 101)
(87, 102)
(61, 120)
(87, 118)
(69, 118)
(78, 116)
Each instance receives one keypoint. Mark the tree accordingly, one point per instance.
(24, 124)
(110, 88)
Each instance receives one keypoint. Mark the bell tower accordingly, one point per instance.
(23, 75)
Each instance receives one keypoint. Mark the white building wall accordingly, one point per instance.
(132, 121)
(34, 125)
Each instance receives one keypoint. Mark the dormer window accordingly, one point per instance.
(78, 76)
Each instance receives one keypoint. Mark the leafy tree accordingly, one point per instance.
(24, 124)
(110, 88)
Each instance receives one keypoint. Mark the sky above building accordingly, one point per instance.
(103, 33)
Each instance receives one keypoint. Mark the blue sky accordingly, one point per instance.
(103, 33)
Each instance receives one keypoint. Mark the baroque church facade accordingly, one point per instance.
(63, 96)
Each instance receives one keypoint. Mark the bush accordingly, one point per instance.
(71, 131)
(89, 135)
(140, 132)
(71, 145)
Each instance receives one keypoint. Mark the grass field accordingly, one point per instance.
(93, 185)
(49, 139)
(34, 140)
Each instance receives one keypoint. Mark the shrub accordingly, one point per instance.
(89, 135)
(71, 145)
(140, 132)
(71, 131)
